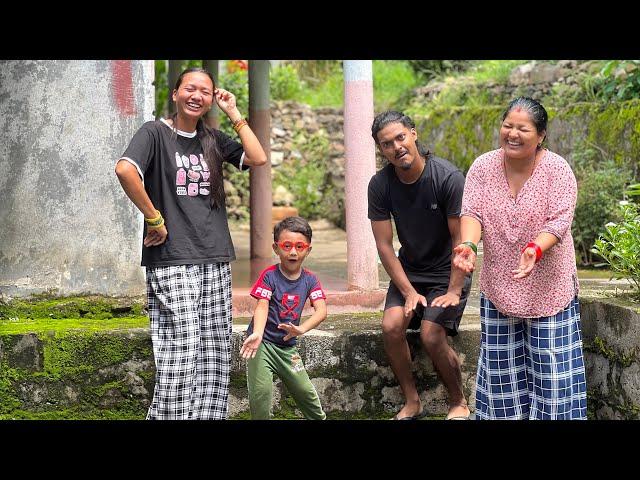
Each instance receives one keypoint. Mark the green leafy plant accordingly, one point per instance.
(620, 80)
(285, 83)
(619, 245)
(305, 177)
(599, 182)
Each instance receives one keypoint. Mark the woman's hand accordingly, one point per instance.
(527, 262)
(465, 258)
(225, 100)
(155, 236)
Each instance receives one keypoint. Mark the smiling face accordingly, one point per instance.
(398, 145)
(194, 96)
(291, 260)
(518, 135)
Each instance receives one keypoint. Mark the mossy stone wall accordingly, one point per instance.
(461, 134)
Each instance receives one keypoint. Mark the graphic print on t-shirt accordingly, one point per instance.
(192, 176)
(290, 302)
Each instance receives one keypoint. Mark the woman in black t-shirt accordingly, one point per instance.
(187, 246)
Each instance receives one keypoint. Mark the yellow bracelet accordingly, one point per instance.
(156, 226)
(156, 220)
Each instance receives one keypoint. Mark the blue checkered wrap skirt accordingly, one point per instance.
(531, 368)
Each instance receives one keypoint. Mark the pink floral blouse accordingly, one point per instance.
(545, 203)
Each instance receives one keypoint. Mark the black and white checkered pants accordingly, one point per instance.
(190, 314)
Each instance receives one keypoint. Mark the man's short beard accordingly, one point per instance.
(406, 166)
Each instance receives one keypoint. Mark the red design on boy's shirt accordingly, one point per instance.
(290, 302)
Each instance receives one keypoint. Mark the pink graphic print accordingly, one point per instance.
(181, 177)
(196, 171)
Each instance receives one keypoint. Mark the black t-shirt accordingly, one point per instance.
(177, 180)
(420, 212)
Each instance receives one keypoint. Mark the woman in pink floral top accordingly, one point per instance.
(520, 199)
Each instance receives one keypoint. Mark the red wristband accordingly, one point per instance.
(536, 247)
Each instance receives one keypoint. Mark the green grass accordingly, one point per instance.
(393, 81)
(495, 70)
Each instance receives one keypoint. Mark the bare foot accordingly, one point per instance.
(458, 410)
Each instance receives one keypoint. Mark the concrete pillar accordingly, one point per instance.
(260, 178)
(362, 256)
(66, 226)
(211, 118)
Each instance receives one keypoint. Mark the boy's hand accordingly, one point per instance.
(250, 346)
(291, 329)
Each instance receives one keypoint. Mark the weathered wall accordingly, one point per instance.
(109, 374)
(66, 224)
(462, 134)
(611, 335)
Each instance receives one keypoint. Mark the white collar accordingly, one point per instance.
(180, 132)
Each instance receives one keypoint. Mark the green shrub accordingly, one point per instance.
(619, 245)
(285, 83)
(600, 182)
(619, 80)
(597, 204)
(429, 69)
(305, 177)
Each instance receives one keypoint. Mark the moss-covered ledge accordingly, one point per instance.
(102, 367)
(87, 368)
(611, 336)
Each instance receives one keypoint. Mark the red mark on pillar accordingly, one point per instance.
(122, 82)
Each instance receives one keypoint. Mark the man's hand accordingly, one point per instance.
(527, 262)
(449, 299)
(464, 258)
(155, 236)
(291, 329)
(250, 345)
(411, 302)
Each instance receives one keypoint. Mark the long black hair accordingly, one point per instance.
(210, 149)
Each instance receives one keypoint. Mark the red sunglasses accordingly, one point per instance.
(287, 246)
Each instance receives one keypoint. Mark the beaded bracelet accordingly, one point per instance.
(237, 125)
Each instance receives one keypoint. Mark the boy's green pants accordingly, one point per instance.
(287, 364)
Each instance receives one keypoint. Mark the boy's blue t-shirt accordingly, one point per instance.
(286, 300)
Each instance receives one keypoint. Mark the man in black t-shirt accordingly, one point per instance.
(423, 193)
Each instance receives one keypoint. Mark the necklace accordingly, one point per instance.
(504, 166)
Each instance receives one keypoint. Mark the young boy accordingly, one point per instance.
(282, 290)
